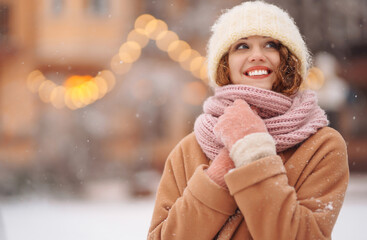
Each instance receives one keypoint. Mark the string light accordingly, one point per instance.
(164, 39)
(142, 21)
(187, 57)
(176, 48)
(34, 80)
(118, 66)
(80, 91)
(130, 52)
(154, 28)
(139, 36)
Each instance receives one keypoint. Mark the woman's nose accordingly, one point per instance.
(256, 55)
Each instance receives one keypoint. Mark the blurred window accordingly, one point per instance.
(57, 6)
(4, 22)
(98, 7)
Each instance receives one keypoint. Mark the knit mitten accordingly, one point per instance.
(219, 167)
(244, 134)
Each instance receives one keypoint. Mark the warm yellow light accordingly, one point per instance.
(204, 73)
(118, 66)
(34, 74)
(139, 36)
(93, 90)
(164, 39)
(76, 97)
(154, 28)
(192, 54)
(176, 48)
(315, 79)
(196, 63)
(68, 99)
(130, 52)
(194, 93)
(184, 55)
(109, 78)
(102, 86)
(76, 80)
(58, 96)
(34, 80)
(45, 90)
(79, 91)
(86, 94)
(143, 20)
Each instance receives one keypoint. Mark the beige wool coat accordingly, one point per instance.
(294, 195)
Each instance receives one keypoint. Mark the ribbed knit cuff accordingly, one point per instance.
(252, 147)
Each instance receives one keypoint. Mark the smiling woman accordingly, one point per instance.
(253, 61)
(286, 76)
(255, 165)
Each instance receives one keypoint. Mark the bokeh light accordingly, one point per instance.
(176, 48)
(315, 79)
(45, 90)
(164, 39)
(76, 80)
(196, 65)
(102, 86)
(130, 52)
(109, 78)
(58, 96)
(68, 99)
(188, 55)
(80, 91)
(93, 90)
(118, 66)
(76, 97)
(142, 21)
(34, 80)
(155, 27)
(139, 36)
(204, 72)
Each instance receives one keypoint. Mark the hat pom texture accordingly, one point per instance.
(251, 19)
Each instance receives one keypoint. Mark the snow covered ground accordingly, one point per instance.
(44, 219)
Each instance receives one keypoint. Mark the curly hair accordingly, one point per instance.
(288, 74)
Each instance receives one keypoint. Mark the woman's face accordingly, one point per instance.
(253, 61)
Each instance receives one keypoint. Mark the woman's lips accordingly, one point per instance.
(258, 72)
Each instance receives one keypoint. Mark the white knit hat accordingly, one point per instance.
(250, 19)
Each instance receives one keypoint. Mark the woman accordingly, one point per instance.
(261, 163)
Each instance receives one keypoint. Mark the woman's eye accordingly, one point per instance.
(272, 45)
(242, 46)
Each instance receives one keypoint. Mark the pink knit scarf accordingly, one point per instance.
(290, 120)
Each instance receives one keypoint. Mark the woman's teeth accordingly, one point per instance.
(258, 73)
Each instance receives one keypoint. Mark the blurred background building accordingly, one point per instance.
(95, 93)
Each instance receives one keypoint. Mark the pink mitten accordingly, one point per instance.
(238, 121)
(219, 167)
(244, 134)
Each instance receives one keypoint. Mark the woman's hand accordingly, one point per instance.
(244, 134)
(238, 121)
